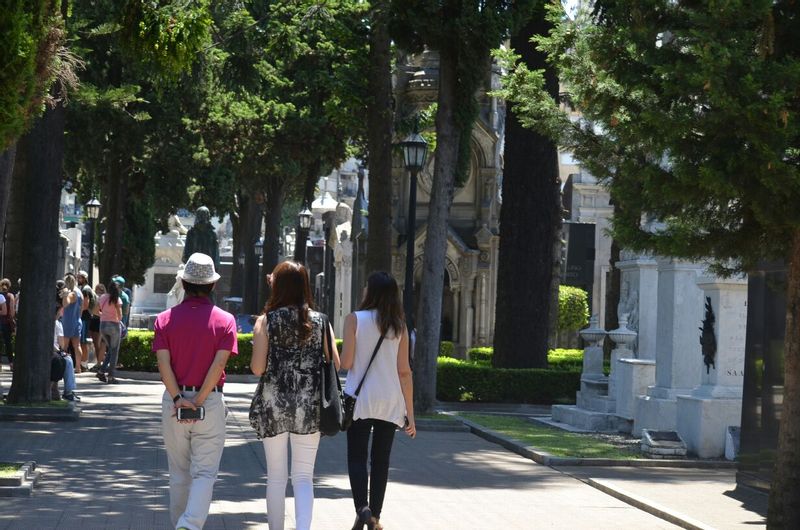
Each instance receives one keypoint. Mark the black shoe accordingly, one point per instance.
(71, 397)
(94, 368)
(112, 380)
(363, 518)
(101, 376)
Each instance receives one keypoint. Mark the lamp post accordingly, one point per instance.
(92, 209)
(415, 152)
(304, 219)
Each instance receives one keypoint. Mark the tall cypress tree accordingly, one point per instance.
(529, 219)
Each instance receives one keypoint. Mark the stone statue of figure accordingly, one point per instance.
(202, 237)
(175, 225)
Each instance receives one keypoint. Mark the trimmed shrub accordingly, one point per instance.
(467, 381)
(135, 353)
(483, 354)
(573, 308)
(447, 349)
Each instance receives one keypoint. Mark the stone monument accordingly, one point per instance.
(704, 414)
(680, 308)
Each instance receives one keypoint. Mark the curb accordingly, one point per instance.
(21, 485)
(676, 518)
(71, 412)
(546, 459)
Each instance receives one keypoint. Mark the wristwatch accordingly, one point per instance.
(177, 397)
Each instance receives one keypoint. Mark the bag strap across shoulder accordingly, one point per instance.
(374, 353)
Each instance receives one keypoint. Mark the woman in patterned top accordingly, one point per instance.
(288, 346)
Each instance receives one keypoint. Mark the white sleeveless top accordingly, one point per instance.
(381, 397)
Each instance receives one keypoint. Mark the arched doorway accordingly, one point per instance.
(447, 320)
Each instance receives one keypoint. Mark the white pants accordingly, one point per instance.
(304, 453)
(193, 453)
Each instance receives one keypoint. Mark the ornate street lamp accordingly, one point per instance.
(259, 247)
(304, 218)
(92, 209)
(415, 153)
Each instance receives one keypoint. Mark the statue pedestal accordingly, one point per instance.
(703, 417)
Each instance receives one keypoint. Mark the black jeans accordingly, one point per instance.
(357, 442)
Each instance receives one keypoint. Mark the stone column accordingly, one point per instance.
(680, 304)
(623, 339)
(704, 416)
(639, 275)
(343, 265)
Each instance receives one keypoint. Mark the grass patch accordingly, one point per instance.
(53, 404)
(9, 470)
(551, 440)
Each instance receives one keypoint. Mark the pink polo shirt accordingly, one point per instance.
(193, 332)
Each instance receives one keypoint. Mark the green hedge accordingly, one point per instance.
(136, 354)
(466, 381)
(559, 359)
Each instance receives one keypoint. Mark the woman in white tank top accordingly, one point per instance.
(385, 402)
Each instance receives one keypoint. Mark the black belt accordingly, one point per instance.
(189, 388)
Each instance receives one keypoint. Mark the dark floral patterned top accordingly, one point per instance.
(292, 381)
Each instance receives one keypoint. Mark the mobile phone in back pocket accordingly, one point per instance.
(188, 414)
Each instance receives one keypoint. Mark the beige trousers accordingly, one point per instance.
(193, 453)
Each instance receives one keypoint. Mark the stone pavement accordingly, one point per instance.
(109, 471)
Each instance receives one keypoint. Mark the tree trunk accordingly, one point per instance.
(529, 220)
(379, 140)
(6, 172)
(252, 216)
(272, 237)
(13, 265)
(45, 156)
(433, 266)
(237, 269)
(612, 294)
(114, 216)
(308, 197)
(784, 499)
(555, 284)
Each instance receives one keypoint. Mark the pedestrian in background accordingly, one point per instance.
(288, 345)
(193, 341)
(61, 366)
(125, 295)
(71, 319)
(375, 353)
(89, 301)
(110, 317)
(8, 319)
(94, 329)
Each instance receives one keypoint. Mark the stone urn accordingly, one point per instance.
(593, 353)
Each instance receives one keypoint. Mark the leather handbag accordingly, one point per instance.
(350, 401)
(331, 414)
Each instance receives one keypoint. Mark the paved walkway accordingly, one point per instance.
(109, 471)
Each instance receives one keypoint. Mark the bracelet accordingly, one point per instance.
(177, 397)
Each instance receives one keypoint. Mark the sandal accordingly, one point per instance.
(376, 524)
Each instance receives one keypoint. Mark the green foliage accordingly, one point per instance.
(573, 308)
(166, 35)
(30, 33)
(464, 381)
(447, 349)
(136, 353)
(482, 354)
(690, 119)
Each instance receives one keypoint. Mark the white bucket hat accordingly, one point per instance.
(199, 270)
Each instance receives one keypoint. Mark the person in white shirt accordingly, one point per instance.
(60, 356)
(375, 351)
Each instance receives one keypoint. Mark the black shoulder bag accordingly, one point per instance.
(331, 416)
(350, 401)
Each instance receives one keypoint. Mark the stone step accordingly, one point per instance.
(596, 403)
(585, 419)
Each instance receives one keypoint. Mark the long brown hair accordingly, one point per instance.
(384, 296)
(291, 288)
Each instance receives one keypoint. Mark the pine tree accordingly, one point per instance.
(691, 119)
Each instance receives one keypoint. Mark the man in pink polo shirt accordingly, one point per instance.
(192, 342)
